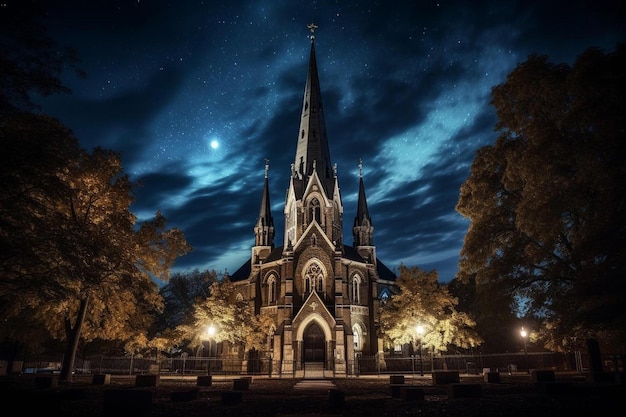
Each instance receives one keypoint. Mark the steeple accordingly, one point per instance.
(264, 228)
(363, 230)
(312, 152)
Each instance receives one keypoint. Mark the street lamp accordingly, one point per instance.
(420, 331)
(210, 332)
(524, 335)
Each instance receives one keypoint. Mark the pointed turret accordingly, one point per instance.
(264, 228)
(312, 152)
(363, 229)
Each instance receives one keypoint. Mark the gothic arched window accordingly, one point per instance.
(271, 289)
(315, 211)
(314, 278)
(356, 285)
(357, 337)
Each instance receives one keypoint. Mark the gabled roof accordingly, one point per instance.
(350, 253)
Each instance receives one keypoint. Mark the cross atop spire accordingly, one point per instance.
(267, 166)
(360, 168)
(312, 27)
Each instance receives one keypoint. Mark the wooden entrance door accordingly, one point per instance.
(314, 344)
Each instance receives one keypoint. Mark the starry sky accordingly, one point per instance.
(195, 95)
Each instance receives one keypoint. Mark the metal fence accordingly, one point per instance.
(366, 365)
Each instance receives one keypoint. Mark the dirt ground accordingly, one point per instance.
(512, 396)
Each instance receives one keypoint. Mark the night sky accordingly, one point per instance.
(195, 95)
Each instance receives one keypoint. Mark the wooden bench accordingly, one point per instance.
(147, 380)
(543, 375)
(204, 380)
(446, 377)
(101, 379)
(396, 379)
(492, 377)
(241, 384)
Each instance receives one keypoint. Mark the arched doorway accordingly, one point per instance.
(314, 344)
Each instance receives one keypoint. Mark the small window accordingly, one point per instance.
(357, 338)
(315, 211)
(356, 286)
(384, 295)
(271, 289)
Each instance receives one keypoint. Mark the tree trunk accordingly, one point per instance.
(72, 337)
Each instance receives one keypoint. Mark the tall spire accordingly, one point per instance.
(363, 229)
(312, 152)
(264, 228)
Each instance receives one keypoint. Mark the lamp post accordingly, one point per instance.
(420, 331)
(524, 334)
(210, 332)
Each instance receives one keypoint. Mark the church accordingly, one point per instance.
(322, 294)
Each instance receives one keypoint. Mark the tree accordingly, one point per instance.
(546, 202)
(233, 318)
(493, 313)
(422, 300)
(81, 263)
(30, 61)
(181, 294)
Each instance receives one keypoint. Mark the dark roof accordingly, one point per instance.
(243, 272)
(349, 253)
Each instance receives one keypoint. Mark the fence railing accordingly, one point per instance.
(362, 365)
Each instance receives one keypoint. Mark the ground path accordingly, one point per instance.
(364, 396)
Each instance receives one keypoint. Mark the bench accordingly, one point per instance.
(241, 383)
(204, 380)
(492, 377)
(543, 375)
(147, 380)
(101, 379)
(446, 377)
(396, 379)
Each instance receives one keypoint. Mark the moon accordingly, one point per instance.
(215, 144)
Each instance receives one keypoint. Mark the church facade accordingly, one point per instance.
(322, 294)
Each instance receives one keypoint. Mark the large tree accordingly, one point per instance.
(181, 294)
(423, 301)
(496, 321)
(75, 260)
(546, 202)
(234, 320)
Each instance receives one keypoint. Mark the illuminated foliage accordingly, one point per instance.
(233, 318)
(83, 266)
(422, 300)
(546, 202)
